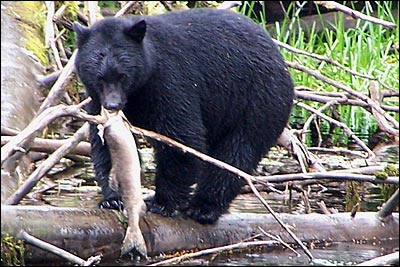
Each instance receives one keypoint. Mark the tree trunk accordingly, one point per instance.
(89, 232)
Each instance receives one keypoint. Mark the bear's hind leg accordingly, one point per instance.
(217, 187)
(175, 175)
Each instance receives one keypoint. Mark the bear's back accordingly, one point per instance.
(208, 40)
(208, 25)
(228, 60)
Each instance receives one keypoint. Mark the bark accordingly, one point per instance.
(90, 232)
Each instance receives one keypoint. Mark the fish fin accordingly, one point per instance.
(134, 242)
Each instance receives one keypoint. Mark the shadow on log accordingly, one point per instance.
(90, 232)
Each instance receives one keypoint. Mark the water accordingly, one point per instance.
(75, 187)
(338, 254)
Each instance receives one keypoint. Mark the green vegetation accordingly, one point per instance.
(353, 198)
(12, 251)
(387, 190)
(367, 48)
(34, 19)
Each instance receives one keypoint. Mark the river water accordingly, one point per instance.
(74, 187)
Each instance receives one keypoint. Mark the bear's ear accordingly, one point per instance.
(136, 30)
(82, 33)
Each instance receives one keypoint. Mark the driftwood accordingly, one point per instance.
(91, 232)
(50, 145)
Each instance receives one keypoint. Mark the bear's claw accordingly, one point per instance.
(113, 204)
(163, 210)
(203, 215)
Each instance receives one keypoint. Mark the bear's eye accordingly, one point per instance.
(101, 79)
(122, 76)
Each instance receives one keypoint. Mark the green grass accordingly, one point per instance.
(367, 48)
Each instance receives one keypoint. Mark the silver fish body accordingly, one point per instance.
(125, 178)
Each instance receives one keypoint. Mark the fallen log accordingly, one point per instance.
(91, 232)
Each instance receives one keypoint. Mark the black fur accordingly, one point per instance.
(208, 78)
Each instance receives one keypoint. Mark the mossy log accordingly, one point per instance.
(90, 232)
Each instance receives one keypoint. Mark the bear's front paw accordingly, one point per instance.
(113, 204)
(203, 214)
(163, 210)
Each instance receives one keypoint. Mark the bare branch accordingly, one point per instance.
(341, 125)
(345, 88)
(125, 8)
(57, 88)
(37, 125)
(377, 96)
(50, 145)
(49, 37)
(389, 206)
(240, 245)
(41, 170)
(354, 13)
(386, 260)
(23, 235)
(330, 175)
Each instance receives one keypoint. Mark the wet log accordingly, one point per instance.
(90, 232)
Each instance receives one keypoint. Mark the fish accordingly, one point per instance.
(125, 177)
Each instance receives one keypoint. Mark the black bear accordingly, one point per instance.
(210, 79)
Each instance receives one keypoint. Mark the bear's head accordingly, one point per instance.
(112, 60)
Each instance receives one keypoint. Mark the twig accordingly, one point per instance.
(354, 210)
(363, 170)
(161, 138)
(125, 8)
(347, 89)
(60, 43)
(50, 145)
(306, 93)
(299, 150)
(93, 9)
(389, 205)
(57, 88)
(377, 96)
(49, 37)
(57, 15)
(24, 236)
(240, 245)
(37, 124)
(47, 165)
(330, 175)
(323, 207)
(278, 239)
(322, 58)
(306, 200)
(8, 131)
(313, 116)
(337, 150)
(354, 13)
(166, 5)
(47, 80)
(342, 125)
(83, 18)
(386, 260)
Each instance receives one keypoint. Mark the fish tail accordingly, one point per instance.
(134, 241)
